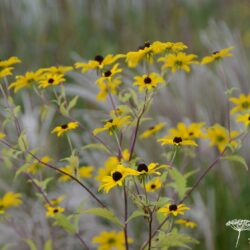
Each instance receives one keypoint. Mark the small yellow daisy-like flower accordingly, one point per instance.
(82, 172)
(107, 87)
(217, 55)
(26, 80)
(186, 223)
(245, 119)
(173, 209)
(219, 137)
(152, 130)
(60, 130)
(134, 57)
(10, 199)
(153, 185)
(56, 201)
(34, 167)
(52, 211)
(99, 62)
(116, 177)
(242, 103)
(179, 61)
(176, 140)
(58, 70)
(111, 125)
(50, 79)
(111, 240)
(152, 168)
(148, 82)
(2, 135)
(170, 47)
(5, 66)
(188, 132)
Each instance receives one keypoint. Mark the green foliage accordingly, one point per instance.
(236, 158)
(31, 244)
(65, 222)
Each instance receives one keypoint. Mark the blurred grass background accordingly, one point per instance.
(46, 32)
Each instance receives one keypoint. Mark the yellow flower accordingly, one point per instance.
(56, 201)
(152, 130)
(58, 70)
(107, 87)
(153, 185)
(10, 199)
(245, 118)
(5, 69)
(26, 80)
(116, 177)
(217, 55)
(111, 240)
(82, 172)
(2, 135)
(242, 103)
(143, 168)
(99, 62)
(173, 209)
(187, 132)
(52, 211)
(50, 79)
(178, 61)
(111, 125)
(186, 223)
(170, 47)
(219, 137)
(36, 165)
(148, 82)
(134, 57)
(60, 130)
(176, 140)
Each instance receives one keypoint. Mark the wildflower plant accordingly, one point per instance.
(155, 192)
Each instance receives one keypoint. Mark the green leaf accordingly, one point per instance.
(6, 246)
(21, 169)
(104, 213)
(72, 103)
(236, 158)
(48, 245)
(135, 214)
(180, 182)
(23, 142)
(31, 244)
(173, 239)
(65, 222)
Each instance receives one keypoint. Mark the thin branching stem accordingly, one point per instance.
(125, 217)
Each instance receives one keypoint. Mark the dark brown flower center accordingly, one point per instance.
(116, 176)
(173, 207)
(179, 63)
(142, 167)
(107, 73)
(51, 80)
(249, 118)
(99, 58)
(147, 80)
(245, 105)
(153, 186)
(151, 128)
(64, 126)
(215, 52)
(111, 241)
(220, 138)
(145, 45)
(191, 133)
(177, 139)
(56, 210)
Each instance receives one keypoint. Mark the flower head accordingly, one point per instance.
(173, 209)
(245, 119)
(116, 177)
(53, 210)
(179, 61)
(177, 141)
(242, 103)
(111, 125)
(219, 137)
(170, 47)
(35, 166)
(186, 223)
(10, 199)
(148, 82)
(152, 168)
(111, 240)
(5, 66)
(50, 79)
(152, 130)
(217, 55)
(153, 185)
(60, 130)
(99, 62)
